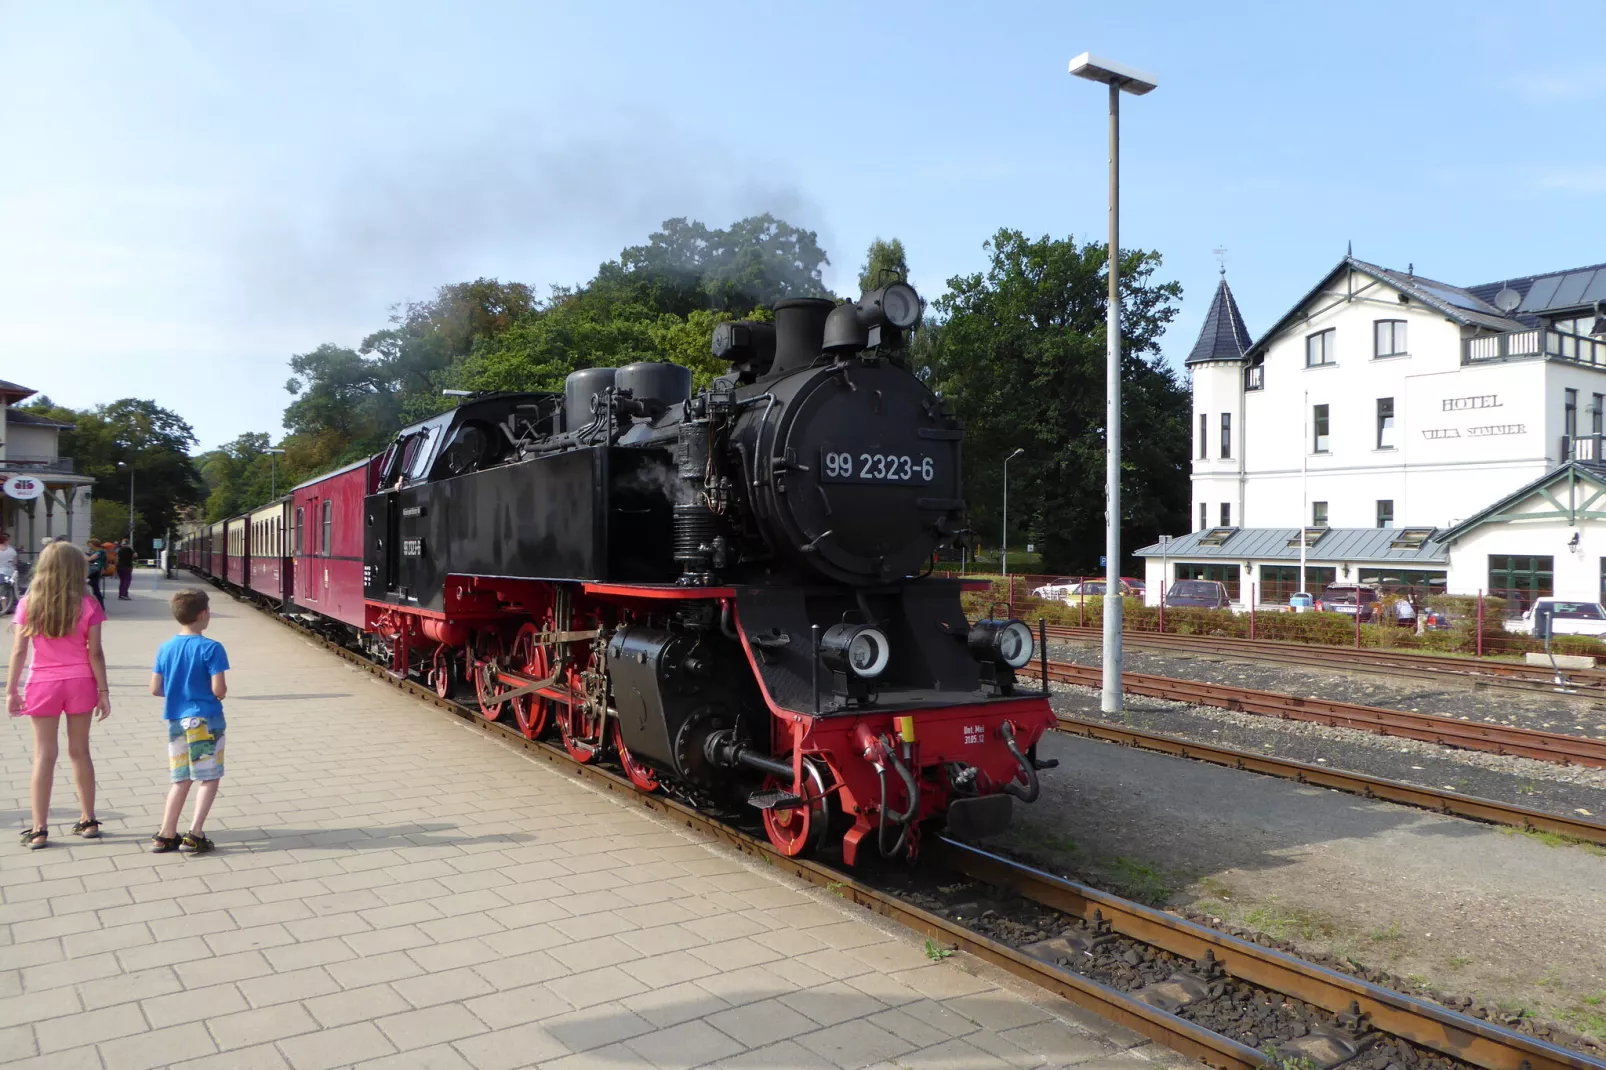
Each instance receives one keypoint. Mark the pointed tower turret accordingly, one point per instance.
(1223, 336)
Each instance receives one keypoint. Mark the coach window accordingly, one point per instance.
(301, 527)
(328, 525)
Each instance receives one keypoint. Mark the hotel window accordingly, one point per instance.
(1596, 403)
(1319, 427)
(1385, 512)
(1569, 416)
(1318, 514)
(1226, 435)
(1389, 338)
(1520, 579)
(1385, 424)
(1204, 516)
(1319, 349)
(1226, 514)
(1204, 437)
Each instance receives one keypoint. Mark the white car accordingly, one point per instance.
(1568, 617)
(1057, 589)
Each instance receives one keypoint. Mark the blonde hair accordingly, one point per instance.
(56, 595)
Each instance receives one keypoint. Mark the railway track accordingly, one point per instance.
(1556, 747)
(1395, 791)
(1588, 684)
(1359, 1010)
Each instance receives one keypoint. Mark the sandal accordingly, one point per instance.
(33, 839)
(162, 844)
(197, 843)
(89, 830)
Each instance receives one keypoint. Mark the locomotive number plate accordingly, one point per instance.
(845, 466)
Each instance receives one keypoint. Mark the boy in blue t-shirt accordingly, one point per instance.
(189, 675)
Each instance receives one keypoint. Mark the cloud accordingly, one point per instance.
(1582, 179)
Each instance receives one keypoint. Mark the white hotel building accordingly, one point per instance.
(1438, 436)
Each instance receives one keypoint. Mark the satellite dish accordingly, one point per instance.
(1507, 299)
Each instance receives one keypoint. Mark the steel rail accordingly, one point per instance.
(1425, 727)
(1484, 672)
(1419, 1021)
(1371, 787)
(1469, 1039)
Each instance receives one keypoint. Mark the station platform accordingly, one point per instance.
(394, 889)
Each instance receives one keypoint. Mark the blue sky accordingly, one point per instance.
(191, 193)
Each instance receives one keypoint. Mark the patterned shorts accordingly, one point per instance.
(193, 751)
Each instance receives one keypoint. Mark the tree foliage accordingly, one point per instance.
(883, 263)
(109, 441)
(1020, 353)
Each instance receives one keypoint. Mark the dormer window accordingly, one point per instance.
(1320, 348)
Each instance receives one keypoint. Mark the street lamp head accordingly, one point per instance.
(1127, 79)
(270, 449)
(1017, 453)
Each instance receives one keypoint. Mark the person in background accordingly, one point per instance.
(8, 573)
(125, 570)
(59, 625)
(95, 554)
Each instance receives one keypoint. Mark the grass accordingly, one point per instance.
(1555, 839)
(1292, 924)
(1143, 881)
(1389, 934)
(1459, 961)
(1588, 1016)
(1282, 1062)
(935, 952)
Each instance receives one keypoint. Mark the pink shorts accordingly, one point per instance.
(50, 698)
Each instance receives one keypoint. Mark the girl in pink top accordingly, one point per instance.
(58, 622)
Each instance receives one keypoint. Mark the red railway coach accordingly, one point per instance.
(270, 563)
(238, 535)
(326, 542)
(216, 550)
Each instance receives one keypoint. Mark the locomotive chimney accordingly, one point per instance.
(799, 332)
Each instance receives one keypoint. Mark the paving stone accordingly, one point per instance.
(447, 986)
(437, 1057)
(854, 1044)
(288, 987)
(223, 968)
(505, 1049)
(997, 1010)
(684, 1046)
(518, 1006)
(38, 1006)
(158, 1047)
(762, 1023)
(674, 1004)
(594, 1027)
(1055, 1043)
(259, 1026)
(85, 1058)
(954, 1055)
(596, 986)
(832, 1002)
(340, 1046)
(60, 1034)
(433, 1025)
(194, 1005)
(788, 1054)
(127, 987)
(373, 969)
(358, 1004)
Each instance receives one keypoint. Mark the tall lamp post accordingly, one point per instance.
(273, 471)
(1005, 551)
(1120, 79)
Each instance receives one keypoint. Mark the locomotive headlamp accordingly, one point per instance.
(856, 648)
(900, 304)
(1007, 643)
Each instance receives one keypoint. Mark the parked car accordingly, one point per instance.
(1302, 602)
(1351, 599)
(1568, 617)
(1135, 588)
(1198, 594)
(1057, 588)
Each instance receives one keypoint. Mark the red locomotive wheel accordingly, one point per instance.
(640, 775)
(530, 658)
(443, 668)
(800, 830)
(577, 727)
(486, 686)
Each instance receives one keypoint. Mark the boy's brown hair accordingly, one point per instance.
(188, 605)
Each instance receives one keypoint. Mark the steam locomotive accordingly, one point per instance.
(726, 591)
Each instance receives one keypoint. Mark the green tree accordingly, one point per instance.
(138, 436)
(883, 263)
(1020, 353)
